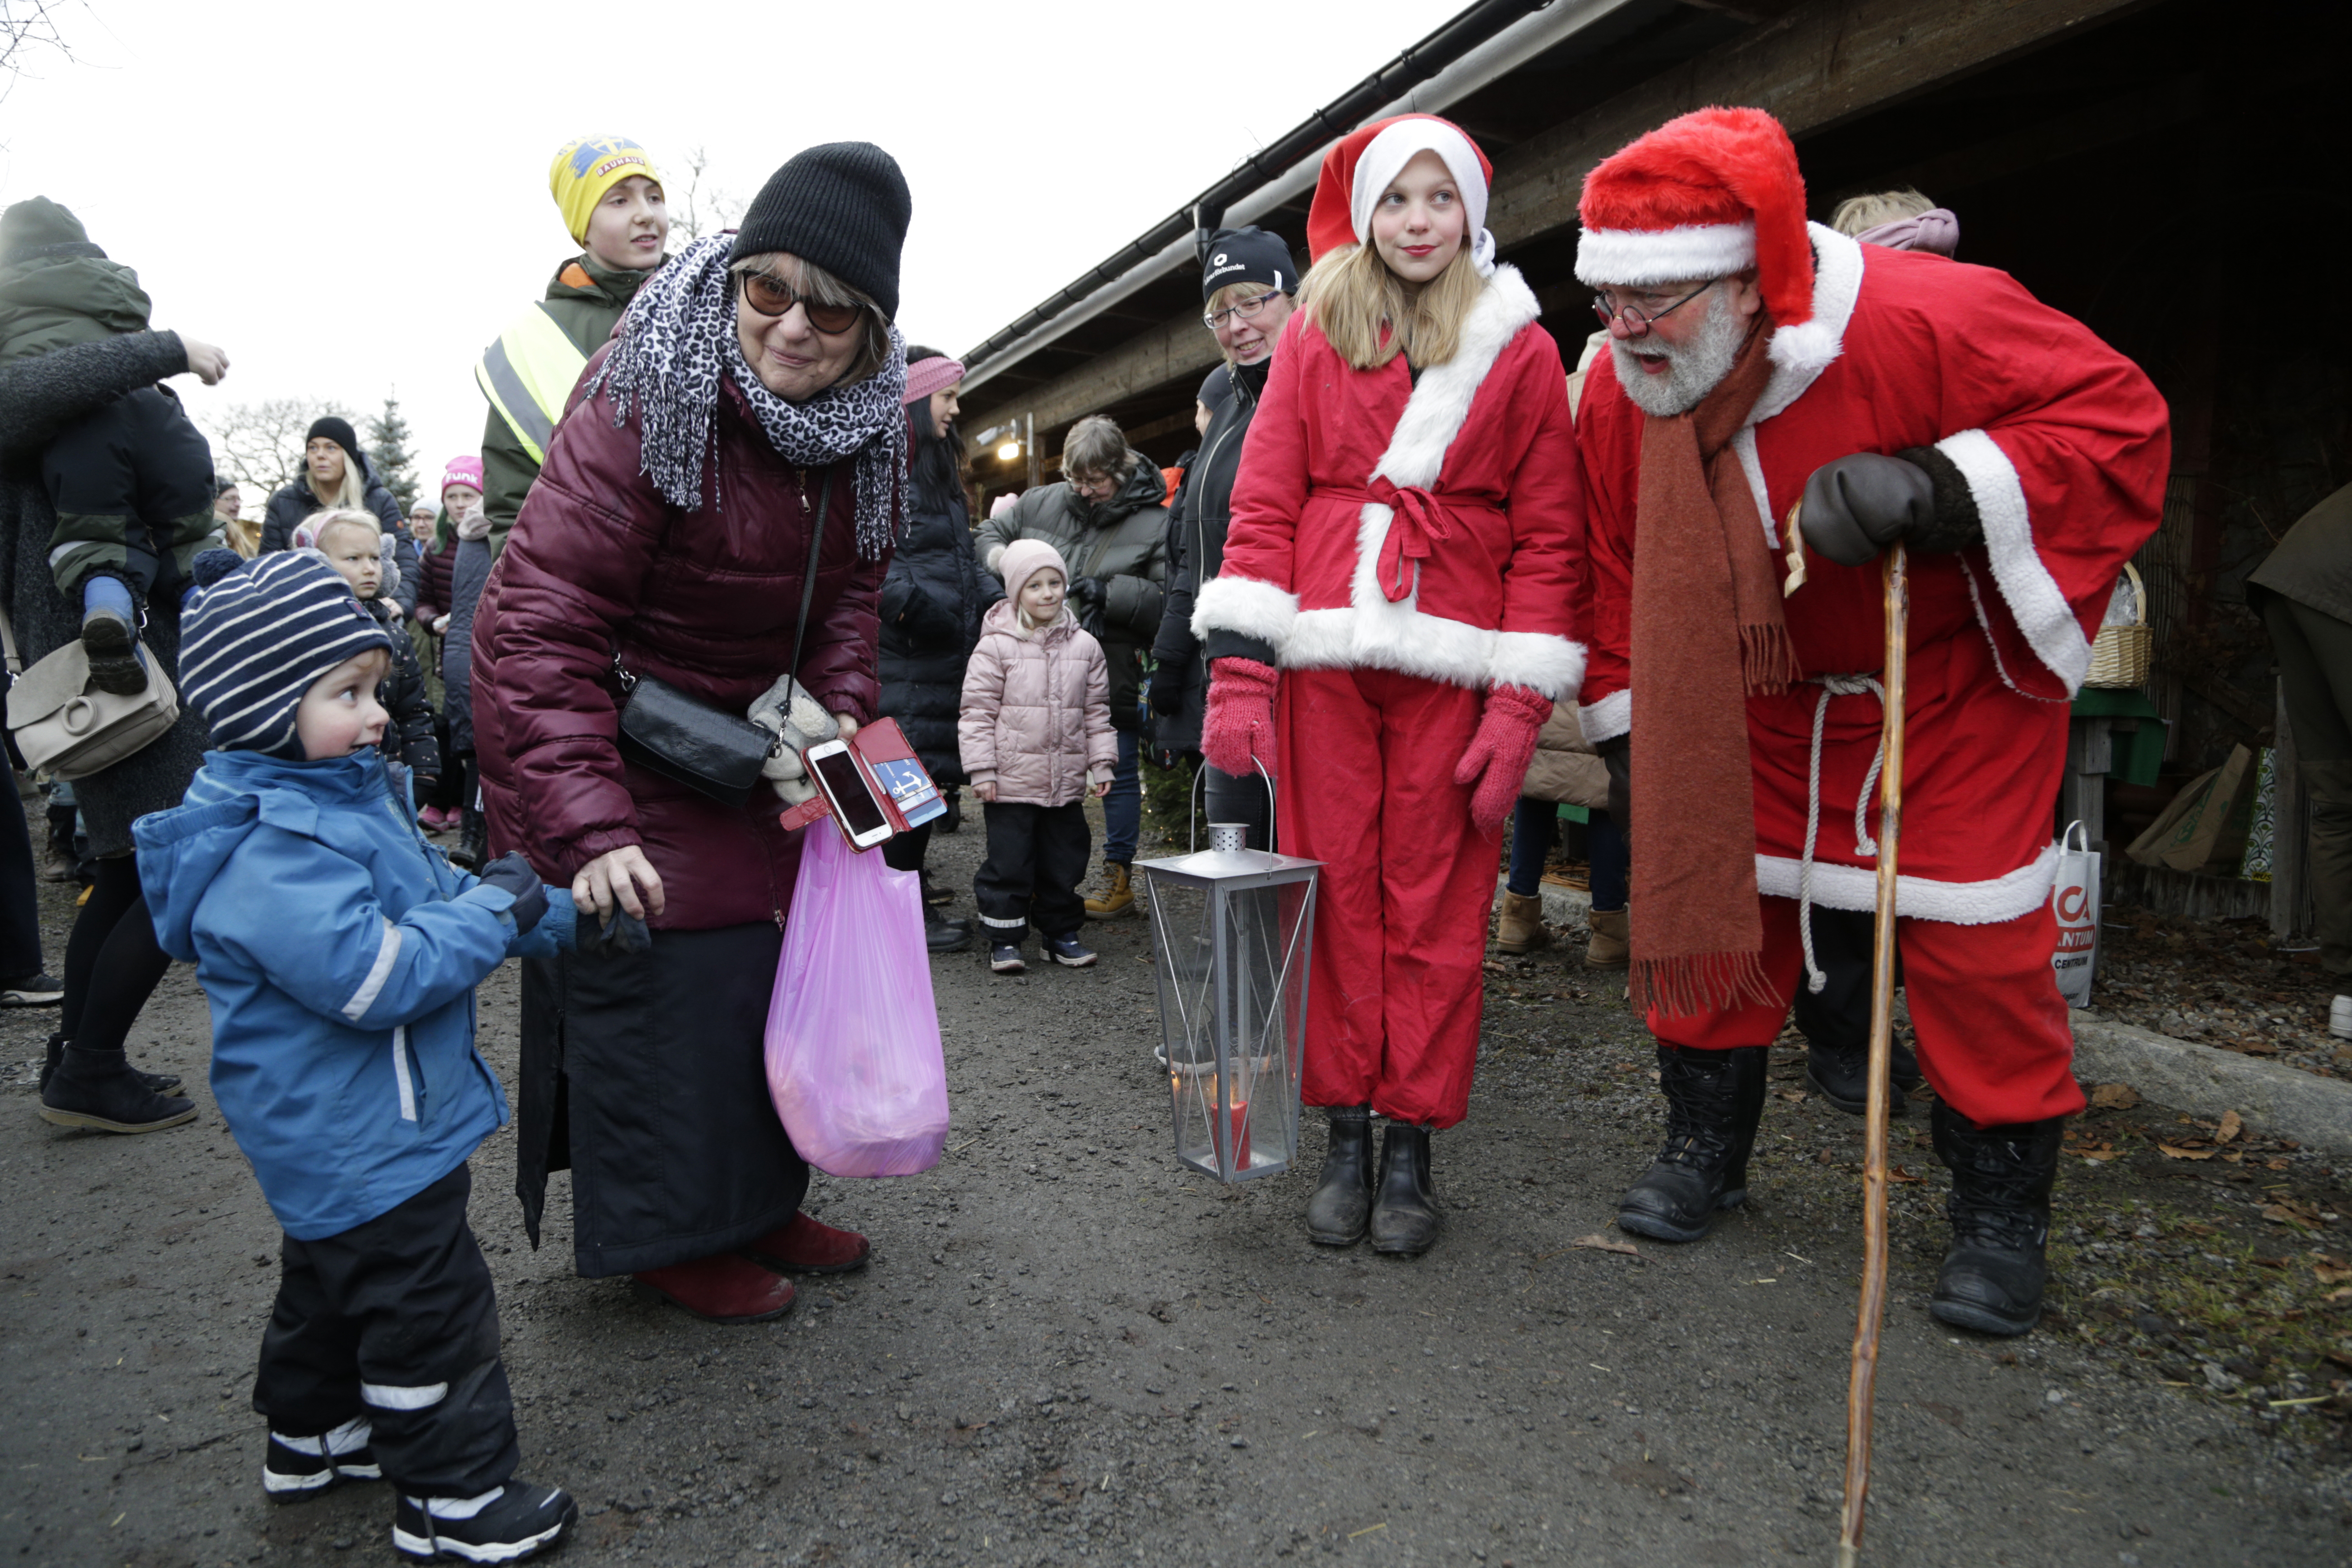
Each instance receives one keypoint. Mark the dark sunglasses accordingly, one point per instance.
(773, 297)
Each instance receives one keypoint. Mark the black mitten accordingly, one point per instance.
(511, 873)
(621, 932)
(1862, 503)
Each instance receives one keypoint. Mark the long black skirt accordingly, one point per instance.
(643, 1076)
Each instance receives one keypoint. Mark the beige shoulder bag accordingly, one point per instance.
(70, 728)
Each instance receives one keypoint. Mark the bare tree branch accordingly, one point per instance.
(698, 210)
(29, 29)
(260, 444)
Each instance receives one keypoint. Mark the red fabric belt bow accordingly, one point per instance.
(1419, 525)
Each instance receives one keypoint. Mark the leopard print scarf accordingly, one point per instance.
(677, 341)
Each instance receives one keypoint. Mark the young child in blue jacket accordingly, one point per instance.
(340, 952)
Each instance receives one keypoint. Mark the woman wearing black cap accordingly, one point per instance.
(335, 474)
(1248, 282)
(751, 397)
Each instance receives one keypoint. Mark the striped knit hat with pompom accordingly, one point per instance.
(259, 636)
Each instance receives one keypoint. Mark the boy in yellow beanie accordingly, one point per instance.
(610, 195)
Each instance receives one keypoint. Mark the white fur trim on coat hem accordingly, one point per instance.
(1631, 258)
(2032, 595)
(1606, 720)
(1837, 887)
(1247, 607)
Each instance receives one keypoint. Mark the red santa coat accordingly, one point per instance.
(1485, 436)
(2064, 444)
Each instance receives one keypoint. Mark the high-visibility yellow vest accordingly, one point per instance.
(528, 375)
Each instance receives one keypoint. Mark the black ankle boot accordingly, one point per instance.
(100, 1089)
(1713, 1100)
(1342, 1205)
(1841, 1075)
(1994, 1272)
(156, 1082)
(473, 841)
(943, 935)
(1405, 1221)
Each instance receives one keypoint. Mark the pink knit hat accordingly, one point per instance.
(467, 471)
(1023, 559)
(926, 376)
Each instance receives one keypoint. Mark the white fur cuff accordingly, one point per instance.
(1245, 605)
(2032, 595)
(1551, 666)
(1606, 720)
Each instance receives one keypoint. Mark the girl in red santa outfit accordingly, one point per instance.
(1406, 550)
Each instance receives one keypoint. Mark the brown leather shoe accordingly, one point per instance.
(726, 1289)
(1521, 928)
(1611, 945)
(806, 1246)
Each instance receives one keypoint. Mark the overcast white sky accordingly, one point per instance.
(353, 200)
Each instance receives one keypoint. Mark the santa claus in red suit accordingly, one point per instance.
(1757, 361)
(1393, 618)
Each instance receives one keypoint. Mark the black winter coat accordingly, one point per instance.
(931, 603)
(296, 501)
(1196, 549)
(409, 737)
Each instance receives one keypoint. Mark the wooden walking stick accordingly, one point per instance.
(1861, 1388)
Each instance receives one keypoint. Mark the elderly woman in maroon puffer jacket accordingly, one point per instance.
(751, 385)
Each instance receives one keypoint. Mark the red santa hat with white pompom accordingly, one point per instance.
(1708, 193)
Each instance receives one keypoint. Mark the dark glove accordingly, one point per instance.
(1859, 505)
(511, 873)
(1617, 753)
(621, 933)
(1087, 597)
(1168, 690)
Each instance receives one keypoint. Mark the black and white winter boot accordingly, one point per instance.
(504, 1524)
(1341, 1206)
(1995, 1270)
(298, 1467)
(1405, 1219)
(1713, 1100)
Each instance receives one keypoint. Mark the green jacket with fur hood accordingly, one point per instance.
(587, 301)
(56, 288)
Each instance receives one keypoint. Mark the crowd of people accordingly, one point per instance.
(1396, 578)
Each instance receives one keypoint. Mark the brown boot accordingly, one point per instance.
(1521, 928)
(1611, 945)
(1118, 894)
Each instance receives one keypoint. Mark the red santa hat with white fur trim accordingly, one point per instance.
(1707, 194)
(1365, 160)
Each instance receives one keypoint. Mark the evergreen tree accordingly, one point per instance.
(387, 443)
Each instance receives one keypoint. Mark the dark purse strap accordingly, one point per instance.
(808, 579)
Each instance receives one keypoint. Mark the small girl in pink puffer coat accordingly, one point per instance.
(1036, 738)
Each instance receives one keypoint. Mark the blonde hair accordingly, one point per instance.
(1351, 294)
(325, 523)
(1856, 214)
(353, 495)
(817, 286)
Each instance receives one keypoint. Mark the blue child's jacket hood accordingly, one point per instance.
(340, 952)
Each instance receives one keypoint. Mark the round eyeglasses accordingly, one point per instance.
(1638, 322)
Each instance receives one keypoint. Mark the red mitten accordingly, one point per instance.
(1237, 732)
(1501, 750)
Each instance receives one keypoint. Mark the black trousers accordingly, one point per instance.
(395, 1319)
(1036, 856)
(1839, 1018)
(133, 485)
(20, 917)
(906, 851)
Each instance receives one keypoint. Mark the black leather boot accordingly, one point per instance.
(100, 1089)
(1405, 1221)
(1342, 1205)
(473, 841)
(1995, 1270)
(1841, 1075)
(156, 1082)
(943, 935)
(1713, 1100)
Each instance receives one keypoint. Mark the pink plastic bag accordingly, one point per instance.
(852, 1042)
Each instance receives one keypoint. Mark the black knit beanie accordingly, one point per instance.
(1248, 256)
(338, 431)
(842, 206)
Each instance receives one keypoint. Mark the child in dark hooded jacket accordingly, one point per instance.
(340, 952)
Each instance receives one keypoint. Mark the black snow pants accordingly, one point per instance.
(1036, 856)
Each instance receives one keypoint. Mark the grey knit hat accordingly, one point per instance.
(842, 206)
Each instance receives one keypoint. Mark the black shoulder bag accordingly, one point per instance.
(708, 750)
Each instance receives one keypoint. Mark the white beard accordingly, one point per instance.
(1696, 369)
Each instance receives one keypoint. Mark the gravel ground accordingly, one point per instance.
(2218, 982)
(1065, 1348)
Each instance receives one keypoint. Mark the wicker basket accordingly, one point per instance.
(2120, 654)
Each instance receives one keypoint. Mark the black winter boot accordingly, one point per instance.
(943, 935)
(1342, 1205)
(1994, 1271)
(1713, 1100)
(473, 841)
(100, 1089)
(1405, 1221)
(156, 1082)
(1841, 1075)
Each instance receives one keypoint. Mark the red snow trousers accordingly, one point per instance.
(1994, 1035)
(1366, 787)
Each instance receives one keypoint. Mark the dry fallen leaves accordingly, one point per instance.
(1599, 1243)
(2287, 1211)
(2330, 1269)
(2114, 1096)
(1897, 1173)
(2174, 1152)
(2229, 1128)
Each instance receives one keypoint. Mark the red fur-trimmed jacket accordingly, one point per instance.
(1434, 528)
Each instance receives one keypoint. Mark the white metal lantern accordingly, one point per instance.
(1232, 929)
